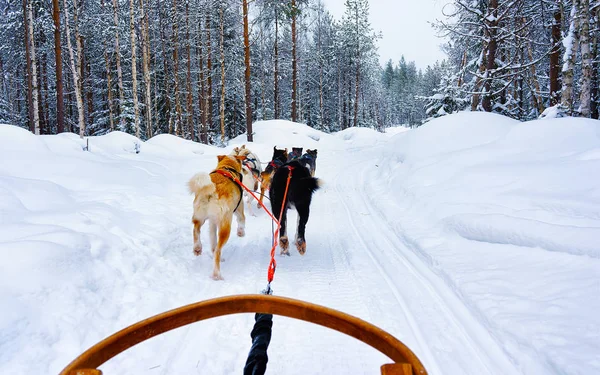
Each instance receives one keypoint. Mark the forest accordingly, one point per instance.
(206, 70)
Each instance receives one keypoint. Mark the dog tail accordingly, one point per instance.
(312, 184)
(201, 184)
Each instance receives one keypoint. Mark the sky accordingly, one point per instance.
(405, 27)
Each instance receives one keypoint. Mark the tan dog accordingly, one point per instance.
(251, 170)
(217, 198)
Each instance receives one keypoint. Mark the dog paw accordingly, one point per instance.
(216, 276)
(241, 232)
(284, 243)
(301, 246)
(197, 249)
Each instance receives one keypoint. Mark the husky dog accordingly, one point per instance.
(309, 160)
(295, 154)
(251, 170)
(279, 158)
(299, 195)
(217, 198)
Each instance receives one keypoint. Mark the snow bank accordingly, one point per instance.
(508, 214)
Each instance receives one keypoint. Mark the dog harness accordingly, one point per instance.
(230, 173)
(252, 167)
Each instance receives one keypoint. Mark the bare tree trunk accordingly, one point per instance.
(247, 73)
(30, 109)
(294, 64)
(108, 80)
(33, 65)
(586, 60)
(201, 84)
(263, 88)
(486, 102)
(190, 100)
(166, 85)
(119, 69)
(276, 113)
(571, 50)
(76, 69)
(136, 112)
(222, 52)
(47, 127)
(478, 80)
(537, 100)
(60, 101)
(109, 89)
(146, 67)
(555, 54)
(358, 57)
(595, 93)
(209, 104)
(178, 123)
(87, 87)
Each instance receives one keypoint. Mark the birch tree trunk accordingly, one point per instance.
(247, 73)
(570, 44)
(209, 104)
(276, 113)
(77, 84)
(34, 76)
(134, 70)
(595, 93)
(586, 59)
(294, 65)
(119, 69)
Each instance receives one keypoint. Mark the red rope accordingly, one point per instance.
(273, 262)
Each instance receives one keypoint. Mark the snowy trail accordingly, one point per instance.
(438, 328)
(473, 244)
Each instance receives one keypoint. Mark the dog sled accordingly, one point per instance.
(405, 362)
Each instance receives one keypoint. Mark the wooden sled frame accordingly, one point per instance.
(406, 362)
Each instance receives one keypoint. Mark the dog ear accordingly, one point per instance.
(243, 147)
(285, 150)
(240, 157)
(274, 148)
(220, 157)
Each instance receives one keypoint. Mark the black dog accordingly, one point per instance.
(295, 154)
(309, 160)
(299, 195)
(279, 158)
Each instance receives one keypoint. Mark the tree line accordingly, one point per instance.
(520, 58)
(200, 69)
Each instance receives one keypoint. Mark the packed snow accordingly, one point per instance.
(474, 239)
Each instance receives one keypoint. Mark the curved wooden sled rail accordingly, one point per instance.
(406, 362)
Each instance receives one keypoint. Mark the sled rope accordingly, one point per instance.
(272, 262)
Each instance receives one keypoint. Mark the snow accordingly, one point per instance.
(473, 239)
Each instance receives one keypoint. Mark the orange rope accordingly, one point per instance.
(273, 262)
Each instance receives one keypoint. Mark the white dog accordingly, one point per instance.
(251, 170)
